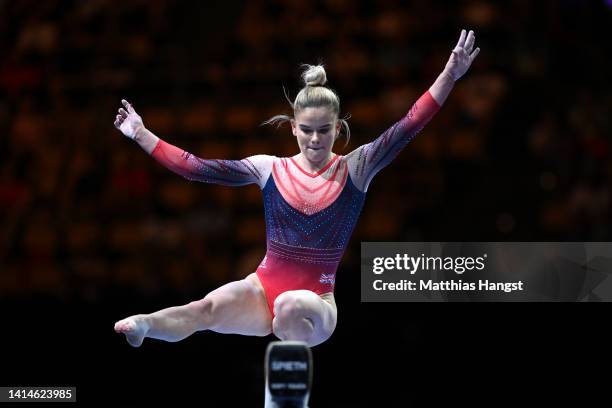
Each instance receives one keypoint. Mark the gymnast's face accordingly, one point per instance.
(316, 130)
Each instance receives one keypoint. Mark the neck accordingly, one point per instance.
(311, 166)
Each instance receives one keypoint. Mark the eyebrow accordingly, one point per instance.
(322, 127)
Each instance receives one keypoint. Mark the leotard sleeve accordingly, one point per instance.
(253, 169)
(368, 159)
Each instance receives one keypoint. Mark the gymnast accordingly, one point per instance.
(312, 201)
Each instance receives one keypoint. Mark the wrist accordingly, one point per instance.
(447, 74)
(146, 139)
(139, 133)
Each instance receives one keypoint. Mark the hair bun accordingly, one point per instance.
(314, 75)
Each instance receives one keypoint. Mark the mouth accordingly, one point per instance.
(315, 148)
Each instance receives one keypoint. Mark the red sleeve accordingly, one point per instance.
(225, 172)
(369, 159)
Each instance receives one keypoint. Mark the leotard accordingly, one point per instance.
(309, 216)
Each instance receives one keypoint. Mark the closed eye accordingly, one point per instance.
(321, 130)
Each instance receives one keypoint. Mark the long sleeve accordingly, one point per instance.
(367, 160)
(253, 169)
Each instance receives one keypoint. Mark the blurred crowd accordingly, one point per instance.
(519, 152)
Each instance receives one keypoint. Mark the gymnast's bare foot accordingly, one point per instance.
(134, 327)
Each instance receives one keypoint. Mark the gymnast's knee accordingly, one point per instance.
(291, 321)
(289, 305)
(203, 312)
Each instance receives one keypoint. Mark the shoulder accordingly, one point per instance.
(356, 164)
(352, 155)
(261, 159)
(355, 158)
(262, 164)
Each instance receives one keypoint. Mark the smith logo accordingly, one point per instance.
(328, 278)
(289, 366)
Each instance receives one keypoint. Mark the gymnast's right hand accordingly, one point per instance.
(128, 122)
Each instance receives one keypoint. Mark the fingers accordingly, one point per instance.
(127, 105)
(474, 54)
(123, 114)
(461, 41)
(469, 42)
(466, 41)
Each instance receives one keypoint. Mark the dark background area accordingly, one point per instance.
(93, 230)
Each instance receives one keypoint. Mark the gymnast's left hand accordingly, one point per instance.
(462, 56)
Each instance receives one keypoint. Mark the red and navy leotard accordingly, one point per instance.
(309, 216)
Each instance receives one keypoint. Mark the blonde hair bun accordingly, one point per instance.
(313, 95)
(314, 75)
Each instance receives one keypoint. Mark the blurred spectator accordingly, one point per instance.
(520, 151)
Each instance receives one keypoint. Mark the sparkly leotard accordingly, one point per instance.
(309, 216)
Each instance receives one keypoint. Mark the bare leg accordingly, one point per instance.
(303, 315)
(238, 307)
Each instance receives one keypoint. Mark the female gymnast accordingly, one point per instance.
(311, 200)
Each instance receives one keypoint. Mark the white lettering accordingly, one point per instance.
(289, 366)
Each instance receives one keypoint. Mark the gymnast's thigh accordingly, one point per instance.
(240, 307)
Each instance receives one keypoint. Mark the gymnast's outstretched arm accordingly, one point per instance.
(367, 160)
(253, 169)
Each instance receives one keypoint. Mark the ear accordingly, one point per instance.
(338, 127)
(293, 127)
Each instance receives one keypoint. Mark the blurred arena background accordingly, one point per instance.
(93, 230)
